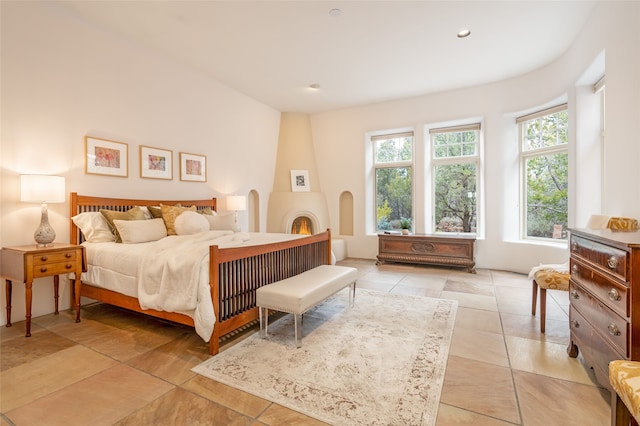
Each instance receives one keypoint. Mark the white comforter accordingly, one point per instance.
(171, 274)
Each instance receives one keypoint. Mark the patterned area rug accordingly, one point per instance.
(381, 362)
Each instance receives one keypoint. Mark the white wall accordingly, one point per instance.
(63, 79)
(339, 138)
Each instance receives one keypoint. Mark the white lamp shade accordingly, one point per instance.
(236, 202)
(42, 189)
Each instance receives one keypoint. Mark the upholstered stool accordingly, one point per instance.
(624, 377)
(555, 279)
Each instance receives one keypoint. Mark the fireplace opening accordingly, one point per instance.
(302, 225)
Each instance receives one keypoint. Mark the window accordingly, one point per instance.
(393, 166)
(544, 165)
(454, 166)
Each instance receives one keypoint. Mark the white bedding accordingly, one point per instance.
(171, 274)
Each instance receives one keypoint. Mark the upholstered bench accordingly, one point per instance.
(298, 294)
(625, 400)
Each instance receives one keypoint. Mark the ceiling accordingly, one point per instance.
(372, 51)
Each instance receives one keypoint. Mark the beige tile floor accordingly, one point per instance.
(117, 367)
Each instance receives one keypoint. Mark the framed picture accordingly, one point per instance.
(105, 157)
(300, 181)
(193, 167)
(156, 163)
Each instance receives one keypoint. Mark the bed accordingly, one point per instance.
(235, 269)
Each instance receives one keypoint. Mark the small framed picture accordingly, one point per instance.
(193, 167)
(156, 163)
(300, 181)
(105, 157)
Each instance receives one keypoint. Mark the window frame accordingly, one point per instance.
(525, 155)
(476, 159)
(392, 165)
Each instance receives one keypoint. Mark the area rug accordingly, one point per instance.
(381, 362)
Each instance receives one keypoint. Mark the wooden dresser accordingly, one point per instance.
(440, 249)
(604, 291)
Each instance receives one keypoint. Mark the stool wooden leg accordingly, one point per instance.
(534, 296)
(543, 308)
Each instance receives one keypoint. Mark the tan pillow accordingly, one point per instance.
(135, 213)
(169, 215)
(156, 212)
(140, 231)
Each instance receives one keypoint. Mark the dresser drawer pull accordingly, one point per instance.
(68, 255)
(44, 258)
(612, 262)
(575, 323)
(575, 295)
(68, 266)
(613, 329)
(574, 247)
(614, 295)
(575, 269)
(43, 269)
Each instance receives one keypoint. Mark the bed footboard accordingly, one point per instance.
(236, 273)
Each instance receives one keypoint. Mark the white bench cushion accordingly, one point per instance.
(301, 292)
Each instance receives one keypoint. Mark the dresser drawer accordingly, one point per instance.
(608, 258)
(607, 323)
(48, 258)
(596, 352)
(614, 294)
(46, 270)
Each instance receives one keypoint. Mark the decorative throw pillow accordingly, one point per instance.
(190, 223)
(169, 215)
(208, 211)
(140, 231)
(156, 212)
(135, 213)
(94, 227)
(221, 222)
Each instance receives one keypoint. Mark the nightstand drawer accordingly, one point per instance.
(48, 269)
(48, 258)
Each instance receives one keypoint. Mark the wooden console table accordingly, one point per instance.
(440, 249)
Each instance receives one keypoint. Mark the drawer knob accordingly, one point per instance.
(44, 258)
(575, 323)
(614, 295)
(612, 262)
(575, 269)
(43, 269)
(67, 255)
(575, 295)
(613, 329)
(574, 246)
(68, 266)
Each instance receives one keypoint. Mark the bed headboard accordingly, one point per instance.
(84, 203)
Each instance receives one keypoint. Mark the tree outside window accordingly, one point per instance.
(545, 163)
(455, 160)
(393, 163)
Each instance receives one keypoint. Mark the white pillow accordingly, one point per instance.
(221, 222)
(94, 227)
(189, 222)
(141, 231)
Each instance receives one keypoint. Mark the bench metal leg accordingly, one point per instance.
(352, 294)
(297, 330)
(264, 321)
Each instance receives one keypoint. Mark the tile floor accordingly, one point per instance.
(117, 367)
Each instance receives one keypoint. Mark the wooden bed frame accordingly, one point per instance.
(234, 273)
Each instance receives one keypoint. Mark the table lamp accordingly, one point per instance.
(42, 189)
(236, 203)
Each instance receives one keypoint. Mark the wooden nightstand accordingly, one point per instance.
(25, 263)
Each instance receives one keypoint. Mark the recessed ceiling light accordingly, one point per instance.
(335, 12)
(464, 33)
(314, 86)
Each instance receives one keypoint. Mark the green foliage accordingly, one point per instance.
(455, 196)
(405, 223)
